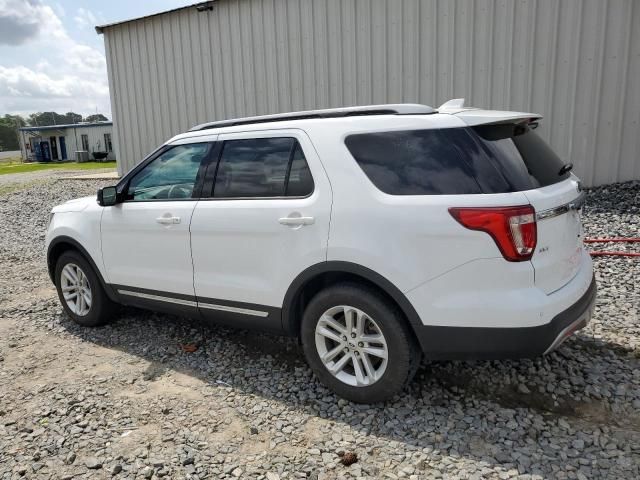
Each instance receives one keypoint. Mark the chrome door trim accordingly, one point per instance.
(190, 303)
(159, 298)
(225, 308)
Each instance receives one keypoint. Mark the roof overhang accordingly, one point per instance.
(200, 6)
(65, 126)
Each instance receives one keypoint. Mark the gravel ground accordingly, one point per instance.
(127, 400)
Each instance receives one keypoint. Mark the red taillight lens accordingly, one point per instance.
(512, 228)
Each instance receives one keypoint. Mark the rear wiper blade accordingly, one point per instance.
(566, 168)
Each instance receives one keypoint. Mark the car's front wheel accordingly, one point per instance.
(81, 292)
(358, 344)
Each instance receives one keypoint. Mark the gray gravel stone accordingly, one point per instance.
(126, 395)
(93, 463)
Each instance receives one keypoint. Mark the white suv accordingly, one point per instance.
(374, 234)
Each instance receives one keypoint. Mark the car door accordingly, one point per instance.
(145, 239)
(267, 220)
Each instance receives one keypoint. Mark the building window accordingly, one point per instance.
(85, 142)
(107, 143)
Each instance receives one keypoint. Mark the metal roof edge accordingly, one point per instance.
(100, 28)
(66, 125)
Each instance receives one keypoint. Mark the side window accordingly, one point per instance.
(300, 180)
(483, 159)
(415, 162)
(172, 175)
(262, 167)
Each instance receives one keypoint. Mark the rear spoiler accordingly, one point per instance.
(476, 116)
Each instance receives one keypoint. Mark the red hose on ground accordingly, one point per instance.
(613, 240)
(614, 254)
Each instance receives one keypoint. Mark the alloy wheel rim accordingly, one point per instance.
(76, 289)
(351, 346)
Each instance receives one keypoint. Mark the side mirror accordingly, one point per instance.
(107, 196)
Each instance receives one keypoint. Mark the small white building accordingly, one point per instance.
(61, 142)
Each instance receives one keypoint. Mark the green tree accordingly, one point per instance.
(98, 117)
(71, 117)
(53, 118)
(9, 125)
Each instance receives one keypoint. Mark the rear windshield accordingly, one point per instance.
(484, 159)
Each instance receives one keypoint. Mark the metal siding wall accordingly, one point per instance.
(577, 62)
(114, 95)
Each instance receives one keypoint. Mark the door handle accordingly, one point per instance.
(168, 220)
(296, 221)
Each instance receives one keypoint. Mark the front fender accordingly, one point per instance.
(62, 243)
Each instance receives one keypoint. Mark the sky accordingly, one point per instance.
(52, 59)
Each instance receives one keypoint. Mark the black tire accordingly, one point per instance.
(403, 353)
(102, 308)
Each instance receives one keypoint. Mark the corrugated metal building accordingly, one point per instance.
(577, 62)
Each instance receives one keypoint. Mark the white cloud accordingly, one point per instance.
(59, 10)
(20, 21)
(68, 75)
(25, 82)
(85, 18)
(43, 65)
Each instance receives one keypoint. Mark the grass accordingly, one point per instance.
(6, 168)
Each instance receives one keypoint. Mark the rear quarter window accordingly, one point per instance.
(416, 162)
(487, 159)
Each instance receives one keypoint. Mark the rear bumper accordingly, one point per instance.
(465, 343)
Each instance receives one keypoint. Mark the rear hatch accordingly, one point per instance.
(560, 243)
(528, 164)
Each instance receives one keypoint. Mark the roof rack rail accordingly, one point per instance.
(388, 109)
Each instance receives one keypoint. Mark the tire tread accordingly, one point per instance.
(410, 355)
(102, 308)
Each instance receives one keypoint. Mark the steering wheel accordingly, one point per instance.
(185, 192)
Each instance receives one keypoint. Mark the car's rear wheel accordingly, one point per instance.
(358, 344)
(81, 292)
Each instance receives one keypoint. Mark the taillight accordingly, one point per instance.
(512, 228)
